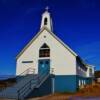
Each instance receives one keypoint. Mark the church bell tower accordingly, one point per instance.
(46, 20)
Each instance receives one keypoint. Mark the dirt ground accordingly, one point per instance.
(92, 91)
(88, 91)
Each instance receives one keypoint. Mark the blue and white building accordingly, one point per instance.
(48, 56)
(47, 52)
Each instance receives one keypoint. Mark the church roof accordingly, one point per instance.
(45, 28)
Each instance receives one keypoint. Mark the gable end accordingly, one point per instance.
(44, 28)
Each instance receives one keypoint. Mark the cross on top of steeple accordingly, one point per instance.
(47, 8)
(46, 20)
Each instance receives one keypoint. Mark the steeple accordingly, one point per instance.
(46, 20)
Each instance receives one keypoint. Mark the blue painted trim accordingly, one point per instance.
(65, 83)
(69, 83)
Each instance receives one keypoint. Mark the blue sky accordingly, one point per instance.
(76, 22)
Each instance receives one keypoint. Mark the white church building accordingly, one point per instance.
(49, 54)
(47, 65)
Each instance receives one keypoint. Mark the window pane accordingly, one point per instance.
(47, 62)
(41, 62)
(44, 53)
(44, 46)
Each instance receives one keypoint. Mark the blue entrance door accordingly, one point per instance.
(44, 66)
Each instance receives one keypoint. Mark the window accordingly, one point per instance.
(81, 64)
(44, 36)
(44, 46)
(90, 71)
(84, 82)
(79, 83)
(45, 21)
(41, 62)
(47, 62)
(44, 51)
